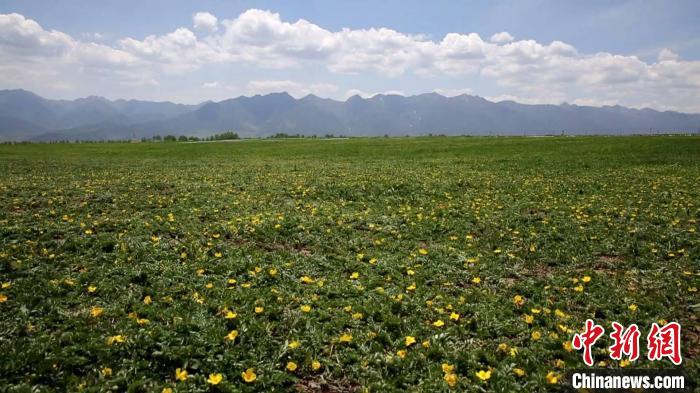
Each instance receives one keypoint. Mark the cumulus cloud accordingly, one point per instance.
(205, 21)
(502, 37)
(529, 70)
(668, 55)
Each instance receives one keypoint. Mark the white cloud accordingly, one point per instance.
(205, 21)
(668, 55)
(526, 69)
(502, 37)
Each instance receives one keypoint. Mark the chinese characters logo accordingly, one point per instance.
(662, 342)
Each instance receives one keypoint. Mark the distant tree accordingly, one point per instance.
(224, 136)
(182, 138)
(157, 138)
(169, 138)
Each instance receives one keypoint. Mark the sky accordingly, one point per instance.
(632, 53)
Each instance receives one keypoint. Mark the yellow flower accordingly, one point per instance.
(272, 272)
(401, 353)
(249, 375)
(529, 319)
(410, 340)
(567, 346)
(259, 310)
(106, 371)
(305, 308)
(483, 375)
(578, 288)
(230, 315)
(147, 300)
(454, 316)
(96, 311)
(315, 365)
(3, 298)
(306, 280)
(357, 316)
(231, 336)
(142, 321)
(354, 276)
(166, 390)
(503, 347)
(536, 335)
(218, 254)
(115, 339)
(624, 363)
(586, 279)
(291, 366)
(294, 344)
(451, 379)
(519, 372)
(345, 338)
(92, 289)
(180, 374)
(422, 251)
(215, 378)
(439, 323)
(447, 368)
(476, 280)
(552, 377)
(518, 300)
(632, 307)
(425, 344)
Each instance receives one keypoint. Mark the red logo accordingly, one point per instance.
(662, 342)
(665, 342)
(587, 339)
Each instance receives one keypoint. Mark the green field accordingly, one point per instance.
(122, 263)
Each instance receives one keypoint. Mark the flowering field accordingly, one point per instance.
(419, 264)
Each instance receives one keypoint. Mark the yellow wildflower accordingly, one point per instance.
(96, 311)
(249, 375)
(180, 374)
(552, 377)
(215, 378)
(231, 336)
(483, 375)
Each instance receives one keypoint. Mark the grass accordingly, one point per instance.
(122, 263)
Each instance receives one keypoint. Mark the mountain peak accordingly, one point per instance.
(261, 115)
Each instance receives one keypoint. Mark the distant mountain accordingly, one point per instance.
(27, 116)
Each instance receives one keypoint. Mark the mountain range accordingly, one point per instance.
(27, 116)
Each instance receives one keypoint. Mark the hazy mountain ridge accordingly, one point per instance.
(27, 116)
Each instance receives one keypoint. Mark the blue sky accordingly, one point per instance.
(634, 53)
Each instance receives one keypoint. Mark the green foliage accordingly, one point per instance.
(393, 234)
